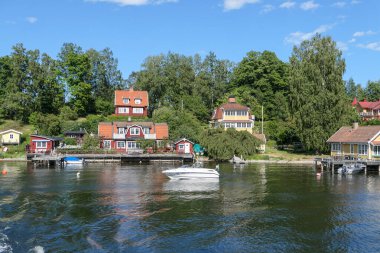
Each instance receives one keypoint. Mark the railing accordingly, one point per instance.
(150, 136)
(366, 114)
(119, 136)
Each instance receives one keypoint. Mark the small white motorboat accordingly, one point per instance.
(351, 168)
(73, 160)
(194, 171)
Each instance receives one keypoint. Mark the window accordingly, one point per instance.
(11, 136)
(335, 147)
(138, 110)
(125, 100)
(134, 131)
(133, 145)
(241, 113)
(107, 144)
(227, 125)
(146, 130)
(239, 125)
(41, 144)
(376, 150)
(137, 101)
(249, 125)
(120, 144)
(352, 148)
(123, 110)
(363, 149)
(181, 146)
(120, 130)
(229, 113)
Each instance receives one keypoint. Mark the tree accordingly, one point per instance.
(317, 98)
(372, 92)
(223, 145)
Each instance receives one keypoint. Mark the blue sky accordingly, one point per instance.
(135, 29)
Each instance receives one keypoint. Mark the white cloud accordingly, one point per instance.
(133, 2)
(309, 5)
(237, 4)
(267, 8)
(375, 46)
(288, 5)
(339, 4)
(31, 20)
(297, 37)
(352, 40)
(355, 2)
(361, 33)
(342, 46)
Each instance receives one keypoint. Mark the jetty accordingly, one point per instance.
(110, 158)
(333, 163)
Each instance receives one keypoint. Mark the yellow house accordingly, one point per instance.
(233, 115)
(356, 142)
(10, 136)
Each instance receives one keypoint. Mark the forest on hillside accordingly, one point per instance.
(305, 99)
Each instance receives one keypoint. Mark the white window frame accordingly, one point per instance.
(133, 145)
(363, 149)
(138, 110)
(41, 144)
(107, 144)
(352, 148)
(134, 131)
(376, 150)
(120, 144)
(336, 147)
(125, 101)
(181, 146)
(121, 130)
(146, 130)
(123, 110)
(138, 101)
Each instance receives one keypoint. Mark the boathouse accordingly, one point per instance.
(43, 144)
(356, 142)
(184, 146)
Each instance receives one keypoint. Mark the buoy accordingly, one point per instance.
(78, 174)
(4, 172)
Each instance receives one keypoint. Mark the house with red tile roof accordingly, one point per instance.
(367, 110)
(356, 141)
(233, 115)
(124, 136)
(131, 102)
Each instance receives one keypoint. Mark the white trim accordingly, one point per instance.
(10, 130)
(374, 137)
(41, 140)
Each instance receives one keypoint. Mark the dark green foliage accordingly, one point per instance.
(372, 92)
(317, 92)
(222, 145)
(46, 124)
(280, 131)
(91, 142)
(181, 124)
(70, 141)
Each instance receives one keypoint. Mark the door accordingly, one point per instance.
(187, 148)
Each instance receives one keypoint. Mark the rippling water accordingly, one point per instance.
(134, 208)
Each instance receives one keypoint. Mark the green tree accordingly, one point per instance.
(317, 98)
(372, 92)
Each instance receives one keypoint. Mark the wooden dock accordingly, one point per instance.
(110, 158)
(332, 164)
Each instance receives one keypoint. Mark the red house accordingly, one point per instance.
(184, 146)
(43, 144)
(367, 110)
(124, 136)
(131, 102)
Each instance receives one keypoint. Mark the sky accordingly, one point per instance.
(136, 29)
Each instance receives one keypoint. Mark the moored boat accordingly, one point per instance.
(194, 171)
(351, 168)
(73, 160)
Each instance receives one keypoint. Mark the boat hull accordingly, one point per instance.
(188, 173)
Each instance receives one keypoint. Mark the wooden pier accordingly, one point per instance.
(49, 160)
(332, 163)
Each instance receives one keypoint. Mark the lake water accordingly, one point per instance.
(135, 208)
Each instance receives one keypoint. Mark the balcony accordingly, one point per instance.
(118, 136)
(367, 114)
(150, 136)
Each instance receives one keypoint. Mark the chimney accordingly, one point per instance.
(355, 125)
(231, 99)
(131, 88)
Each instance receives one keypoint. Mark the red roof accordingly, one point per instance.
(218, 113)
(354, 102)
(131, 95)
(368, 105)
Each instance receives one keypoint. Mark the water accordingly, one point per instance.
(134, 208)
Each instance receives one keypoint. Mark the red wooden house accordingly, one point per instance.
(43, 144)
(184, 146)
(131, 103)
(367, 110)
(124, 136)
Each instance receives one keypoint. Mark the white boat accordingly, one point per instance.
(237, 160)
(194, 171)
(351, 168)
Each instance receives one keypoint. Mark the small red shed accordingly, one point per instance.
(184, 146)
(43, 144)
